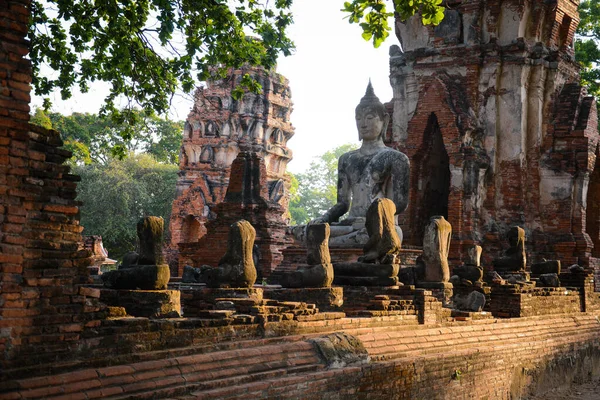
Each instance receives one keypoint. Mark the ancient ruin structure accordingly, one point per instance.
(217, 129)
(61, 336)
(488, 108)
(384, 242)
(247, 198)
(100, 261)
(514, 258)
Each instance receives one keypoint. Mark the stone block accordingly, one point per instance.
(326, 299)
(359, 269)
(144, 277)
(365, 281)
(145, 303)
(546, 267)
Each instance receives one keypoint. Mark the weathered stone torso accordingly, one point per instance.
(369, 177)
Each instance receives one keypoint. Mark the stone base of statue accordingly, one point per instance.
(366, 274)
(309, 276)
(326, 299)
(142, 277)
(546, 267)
(199, 299)
(145, 303)
(471, 298)
(296, 254)
(470, 273)
(515, 276)
(440, 290)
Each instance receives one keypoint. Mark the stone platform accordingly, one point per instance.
(144, 303)
(366, 274)
(326, 299)
(440, 290)
(197, 298)
(296, 255)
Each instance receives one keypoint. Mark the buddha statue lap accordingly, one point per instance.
(373, 171)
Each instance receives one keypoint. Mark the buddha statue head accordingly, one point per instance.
(371, 117)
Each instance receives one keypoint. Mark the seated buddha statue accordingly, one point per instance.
(373, 171)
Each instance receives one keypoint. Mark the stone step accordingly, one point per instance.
(178, 374)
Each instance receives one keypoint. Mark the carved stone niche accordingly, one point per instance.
(211, 129)
(207, 155)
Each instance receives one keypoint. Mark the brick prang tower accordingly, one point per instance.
(217, 129)
(488, 108)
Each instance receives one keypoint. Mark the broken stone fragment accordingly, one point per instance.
(576, 269)
(190, 274)
(469, 272)
(339, 350)
(549, 280)
(475, 301)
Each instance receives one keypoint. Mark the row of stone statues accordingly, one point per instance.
(373, 189)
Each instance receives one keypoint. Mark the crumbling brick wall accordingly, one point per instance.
(42, 311)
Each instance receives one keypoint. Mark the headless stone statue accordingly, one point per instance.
(150, 234)
(384, 243)
(319, 271)
(472, 270)
(236, 269)
(379, 266)
(436, 245)
(514, 259)
(371, 172)
(145, 270)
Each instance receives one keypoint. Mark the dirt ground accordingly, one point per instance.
(584, 391)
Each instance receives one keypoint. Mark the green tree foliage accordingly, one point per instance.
(373, 15)
(314, 191)
(117, 194)
(95, 139)
(41, 118)
(586, 45)
(147, 49)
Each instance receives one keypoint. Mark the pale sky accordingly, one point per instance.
(328, 75)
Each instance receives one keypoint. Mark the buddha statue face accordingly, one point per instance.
(368, 123)
(371, 117)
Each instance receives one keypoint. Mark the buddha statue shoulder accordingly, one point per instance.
(373, 171)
